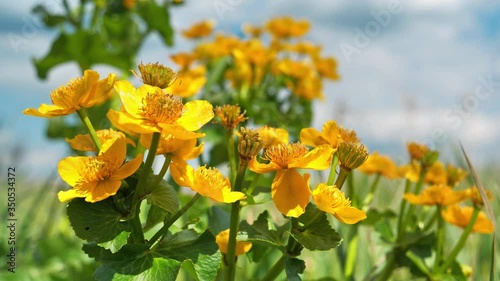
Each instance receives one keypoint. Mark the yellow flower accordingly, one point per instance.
(199, 29)
(85, 143)
(460, 216)
(330, 134)
(309, 87)
(380, 164)
(331, 200)
(327, 67)
(252, 30)
(272, 136)
(411, 171)
(188, 82)
(208, 182)
(285, 27)
(230, 116)
(96, 178)
(290, 190)
(82, 92)
(476, 197)
(296, 69)
(223, 45)
(179, 148)
(183, 59)
(436, 174)
(416, 150)
(437, 195)
(454, 175)
(222, 239)
(149, 109)
(305, 48)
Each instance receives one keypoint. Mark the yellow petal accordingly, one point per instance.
(81, 92)
(127, 123)
(222, 240)
(182, 173)
(349, 215)
(195, 152)
(103, 190)
(132, 98)
(317, 159)
(261, 168)
(70, 194)
(115, 150)
(196, 114)
(330, 132)
(417, 200)
(69, 168)
(49, 111)
(179, 132)
(290, 192)
(311, 137)
(101, 89)
(127, 169)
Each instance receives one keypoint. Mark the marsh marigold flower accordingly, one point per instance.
(189, 82)
(477, 198)
(85, 143)
(183, 59)
(222, 239)
(82, 92)
(332, 200)
(351, 155)
(96, 178)
(437, 195)
(327, 67)
(454, 175)
(199, 29)
(380, 164)
(416, 150)
(272, 136)
(436, 174)
(285, 27)
(230, 116)
(149, 109)
(155, 74)
(460, 216)
(208, 182)
(290, 190)
(330, 134)
(179, 148)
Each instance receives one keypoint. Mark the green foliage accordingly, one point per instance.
(264, 232)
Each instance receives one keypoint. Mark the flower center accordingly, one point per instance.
(336, 197)
(160, 107)
(210, 178)
(64, 96)
(282, 154)
(98, 170)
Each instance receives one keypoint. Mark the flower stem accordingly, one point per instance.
(136, 201)
(440, 239)
(231, 154)
(276, 270)
(341, 178)
(333, 168)
(170, 221)
(402, 207)
(460, 244)
(411, 209)
(351, 254)
(164, 169)
(389, 266)
(82, 113)
(369, 197)
(233, 226)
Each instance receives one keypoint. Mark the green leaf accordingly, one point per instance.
(201, 255)
(116, 244)
(92, 250)
(157, 18)
(263, 232)
(155, 216)
(294, 267)
(165, 197)
(384, 228)
(95, 222)
(373, 216)
(319, 235)
(218, 154)
(218, 219)
(136, 262)
(50, 20)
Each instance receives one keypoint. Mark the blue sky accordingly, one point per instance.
(411, 70)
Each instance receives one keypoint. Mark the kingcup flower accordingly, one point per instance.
(82, 92)
(332, 200)
(286, 27)
(436, 174)
(188, 82)
(179, 148)
(441, 195)
(290, 190)
(208, 182)
(222, 239)
(272, 136)
(380, 164)
(85, 143)
(331, 134)
(460, 216)
(149, 109)
(199, 30)
(230, 116)
(99, 177)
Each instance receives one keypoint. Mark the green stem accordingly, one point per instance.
(233, 226)
(168, 223)
(164, 169)
(411, 209)
(390, 265)
(369, 197)
(460, 244)
(136, 201)
(417, 261)
(276, 270)
(333, 168)
(402, 207)
(431, 221)
(351, 254)
(82, 113)
(440, 239)
(341, 178)
(231, 154)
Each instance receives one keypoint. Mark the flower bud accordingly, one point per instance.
(249, 144)
(156, 74)
(351, 155)
(230, 116)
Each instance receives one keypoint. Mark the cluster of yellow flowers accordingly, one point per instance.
(287, 54)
